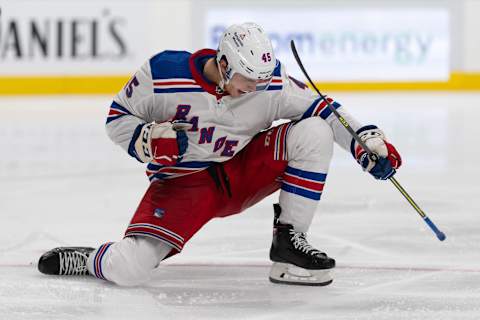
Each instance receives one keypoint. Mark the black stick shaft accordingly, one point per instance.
(355, 136)
(440, 235)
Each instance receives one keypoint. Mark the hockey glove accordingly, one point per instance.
(388, 157)
(165, 143)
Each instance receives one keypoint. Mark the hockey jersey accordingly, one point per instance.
(171, 86)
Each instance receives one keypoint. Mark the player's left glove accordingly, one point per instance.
(388, 157)
(164, 143)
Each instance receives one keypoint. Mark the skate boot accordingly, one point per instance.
(65, 261)
(295, 261)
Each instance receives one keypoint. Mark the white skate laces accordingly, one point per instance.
(293, 273)
(300, 243)
(73, 263)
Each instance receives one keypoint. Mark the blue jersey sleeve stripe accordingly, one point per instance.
(173, 90)
(118, 107)
(115, 115)
(306, 174)
(272, 88)
(131, 146)
(327, 112)
(311, 109)
(111, 118)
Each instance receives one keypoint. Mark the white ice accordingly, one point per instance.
(62, 182)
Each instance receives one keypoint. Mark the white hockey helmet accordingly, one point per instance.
(248, 51)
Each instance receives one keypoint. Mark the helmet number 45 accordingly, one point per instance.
(266, 57)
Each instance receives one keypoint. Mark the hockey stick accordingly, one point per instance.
(374, 157)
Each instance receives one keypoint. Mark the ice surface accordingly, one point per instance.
(62, 182)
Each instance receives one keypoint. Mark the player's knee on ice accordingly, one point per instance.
(131, 261)
(311, 140)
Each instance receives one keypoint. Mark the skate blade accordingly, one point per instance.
(285, 273)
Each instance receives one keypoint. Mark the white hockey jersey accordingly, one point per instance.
(171, 86)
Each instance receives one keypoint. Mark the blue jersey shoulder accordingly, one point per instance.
(170, 64)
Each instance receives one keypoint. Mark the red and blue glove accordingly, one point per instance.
(388, 157)
(164, 143)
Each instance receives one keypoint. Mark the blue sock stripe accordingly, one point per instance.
(95, 261)
(98, 259)
(100, 271)
(306, 174)
(301, 192)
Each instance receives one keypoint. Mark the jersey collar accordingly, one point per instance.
(197, 72)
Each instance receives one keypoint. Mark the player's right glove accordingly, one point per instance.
(388, 157)
(164, 143)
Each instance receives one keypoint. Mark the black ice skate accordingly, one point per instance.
(65, 261)
(295, 261)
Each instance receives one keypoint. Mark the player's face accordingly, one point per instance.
(240, 84)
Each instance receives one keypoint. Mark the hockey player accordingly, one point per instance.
(202, 123)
